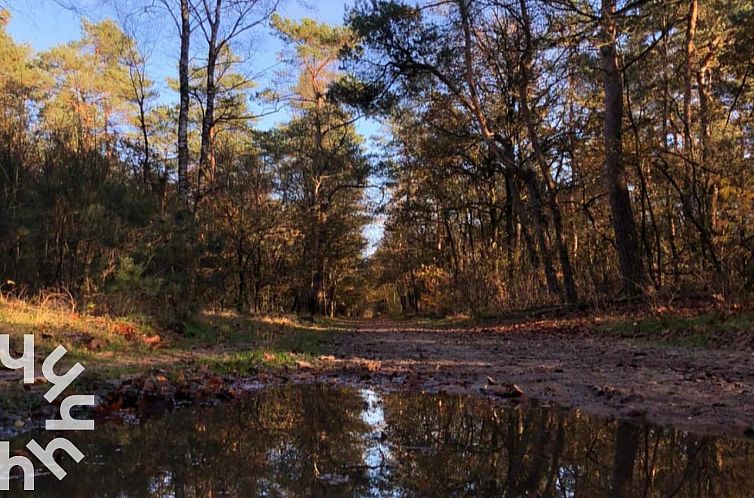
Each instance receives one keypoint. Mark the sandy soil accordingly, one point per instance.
(556, 362)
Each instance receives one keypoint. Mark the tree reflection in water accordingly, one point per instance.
(323, 441)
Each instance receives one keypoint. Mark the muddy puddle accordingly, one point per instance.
(323, 441)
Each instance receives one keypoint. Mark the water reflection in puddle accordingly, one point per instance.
(322, 441)
(377, 454)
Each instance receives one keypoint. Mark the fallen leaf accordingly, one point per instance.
(152, 341)
(124, 329)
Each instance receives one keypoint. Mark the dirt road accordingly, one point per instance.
(557, 362)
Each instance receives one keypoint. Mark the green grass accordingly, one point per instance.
(272, 346)
(702, 330)
(246, 363)
(113, 347)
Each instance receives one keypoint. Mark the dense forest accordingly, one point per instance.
(535, 152)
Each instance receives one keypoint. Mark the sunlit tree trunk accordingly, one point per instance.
(632, 269)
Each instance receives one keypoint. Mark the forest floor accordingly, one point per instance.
(689, 368)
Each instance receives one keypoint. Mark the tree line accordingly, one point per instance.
(133, 203)
(537, 152)
(560, 151)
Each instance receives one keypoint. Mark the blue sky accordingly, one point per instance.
(44, 24)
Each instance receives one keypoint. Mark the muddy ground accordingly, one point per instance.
(567, 362)
(556, 362)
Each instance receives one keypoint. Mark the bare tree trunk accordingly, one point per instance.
(704, 83)
(510, 231)
(137, 75)
(645, 185)
(146, 169)
(632, 270)
(523, 217)
(710, 185)
(540, 224)
(208, 120)
(317, 298)
(183, 113)
(705, 208)
(688, 71)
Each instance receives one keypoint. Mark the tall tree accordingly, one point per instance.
(544, 166)
(221, 23)
(416, 46)
(184, 30)
(629, 255)
(327, 169)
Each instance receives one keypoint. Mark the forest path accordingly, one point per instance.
(563, 362)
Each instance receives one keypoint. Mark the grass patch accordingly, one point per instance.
(713, 329)
(269, 346)
(246, 363)
(113, 347)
